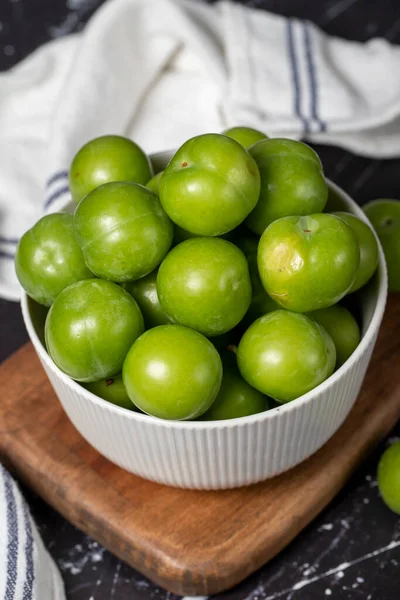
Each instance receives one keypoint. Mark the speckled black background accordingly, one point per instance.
(352, 550)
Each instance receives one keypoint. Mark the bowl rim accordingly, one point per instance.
(273, 413)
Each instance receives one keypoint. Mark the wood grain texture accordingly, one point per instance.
(190, 542)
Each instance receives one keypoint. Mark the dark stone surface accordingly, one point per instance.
(352, 550)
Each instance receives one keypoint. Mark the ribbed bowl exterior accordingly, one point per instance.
(221, 454)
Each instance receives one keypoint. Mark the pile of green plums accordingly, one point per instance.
(209, 290)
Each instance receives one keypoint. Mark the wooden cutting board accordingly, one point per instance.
(190, 542)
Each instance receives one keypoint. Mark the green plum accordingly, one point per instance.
(172, 372)
(310, 262)
(368, 249)
(385, 218)
(49, 259)
(112, 390)
(285, 355)
(144, 291)
(260, 303)
(180, 235)
(343, 329)
(90, 328)
(154, 183)
(226, 341)
(38, 314)
(123, 231)
(104, 159)
(236, 398)
(204, 283)
(389, 477)
(247, 136)
(210, 185)
(228, 354)
(292, 182)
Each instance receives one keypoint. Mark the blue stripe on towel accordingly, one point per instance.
(30, 573)
(12, 538)
(5, 240)
(312, 75)
(7, 255)
(295, 76)
(56, 195)
(56, 176)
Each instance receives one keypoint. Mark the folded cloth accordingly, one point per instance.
(27, 572)
(161, 71)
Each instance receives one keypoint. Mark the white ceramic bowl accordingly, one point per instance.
(221, 454)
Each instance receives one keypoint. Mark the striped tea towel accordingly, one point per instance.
(162, 71)
(27, 572)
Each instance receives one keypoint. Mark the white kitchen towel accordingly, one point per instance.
(161, 71)
(27, 572)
